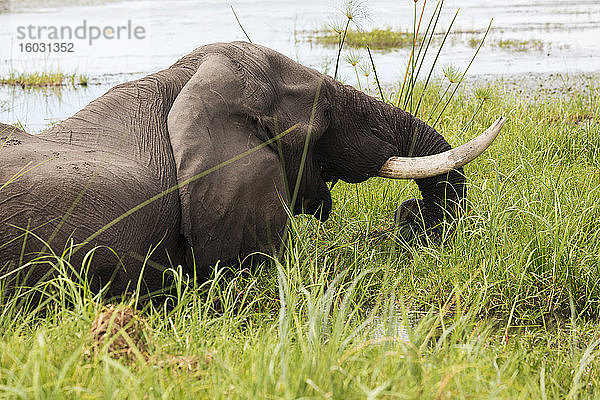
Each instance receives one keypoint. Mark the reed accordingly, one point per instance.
(43, 79)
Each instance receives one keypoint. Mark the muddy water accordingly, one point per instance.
(567, 34)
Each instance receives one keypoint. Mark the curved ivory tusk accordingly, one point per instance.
(441, 163)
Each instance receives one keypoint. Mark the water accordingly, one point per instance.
(568, 30)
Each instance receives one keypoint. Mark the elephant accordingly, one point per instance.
(205, 162)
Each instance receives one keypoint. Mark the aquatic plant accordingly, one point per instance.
(43, 79)
(377, 39)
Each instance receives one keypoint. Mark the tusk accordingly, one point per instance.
(441, 163)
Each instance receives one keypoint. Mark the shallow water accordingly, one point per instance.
(568, 30)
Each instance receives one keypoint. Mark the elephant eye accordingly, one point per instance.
(327, 112)
(325, 174)
(327, 115)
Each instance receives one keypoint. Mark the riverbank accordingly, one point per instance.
(539, 86)
(39, 108)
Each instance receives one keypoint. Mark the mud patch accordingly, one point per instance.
(121, 332)
(575, 119)
(539, 87)
(186, 363)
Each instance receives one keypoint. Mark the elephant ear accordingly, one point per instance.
(282, 94)
(221, 201)
(230, 205)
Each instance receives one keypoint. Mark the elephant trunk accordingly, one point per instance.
(368, 137)
(442, 193)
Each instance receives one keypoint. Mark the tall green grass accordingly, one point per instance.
(507, 308)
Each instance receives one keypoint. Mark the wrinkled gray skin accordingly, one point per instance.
(146, 136)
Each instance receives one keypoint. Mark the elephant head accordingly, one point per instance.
(243, 95)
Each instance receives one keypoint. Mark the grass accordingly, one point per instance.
(515, 44)
(521, 45)
(43, 79)
(508, 308)
(376, 39)
(389, 39)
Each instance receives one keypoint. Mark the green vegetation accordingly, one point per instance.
(514, 44)
(507, 308)
(521, 45)
(389, 39)
(83, 80)
(43, 79)
(376, 39)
